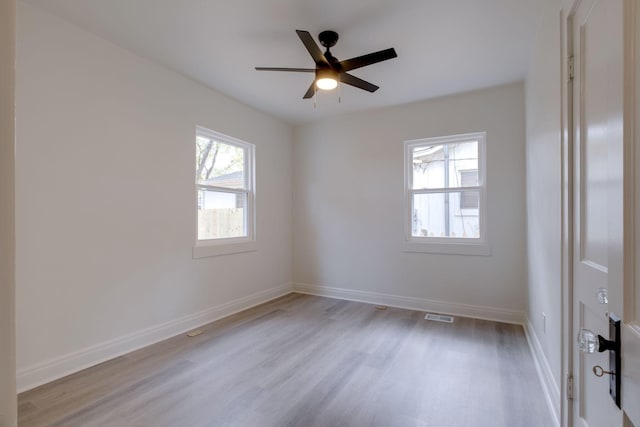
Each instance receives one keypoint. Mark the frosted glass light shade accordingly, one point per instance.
(326, 83)
(326, 79)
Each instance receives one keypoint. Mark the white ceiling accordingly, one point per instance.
(443, 46)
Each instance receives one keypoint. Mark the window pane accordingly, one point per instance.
(440, 166)
(219, 164)
(221, 215)
(442, 215)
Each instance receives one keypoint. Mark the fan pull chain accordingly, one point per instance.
(339, 89)
(315, 96)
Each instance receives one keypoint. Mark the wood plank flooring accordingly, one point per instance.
(308, 361)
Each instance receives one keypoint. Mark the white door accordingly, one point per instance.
(603, 265)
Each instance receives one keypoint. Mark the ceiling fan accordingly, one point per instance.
(329, 71)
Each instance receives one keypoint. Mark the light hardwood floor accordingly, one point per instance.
(309, 361)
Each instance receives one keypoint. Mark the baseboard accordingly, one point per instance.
(455, 309)
(548, 382)
(47, 371)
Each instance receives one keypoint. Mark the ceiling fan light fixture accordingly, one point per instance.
(329, 72)
(326, 79)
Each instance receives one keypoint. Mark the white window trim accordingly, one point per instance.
(446, 245)
(234, 245)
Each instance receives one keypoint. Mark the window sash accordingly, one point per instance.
(411, 146)
(248, 214)
(241, 201)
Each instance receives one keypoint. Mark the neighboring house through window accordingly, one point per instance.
(445, 194)
(469, 200)
(225, 192)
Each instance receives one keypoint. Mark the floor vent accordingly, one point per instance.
(439, 317)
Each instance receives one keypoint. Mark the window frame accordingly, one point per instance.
(446, 245)
(229, 245)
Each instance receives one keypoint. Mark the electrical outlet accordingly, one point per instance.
(544, 322)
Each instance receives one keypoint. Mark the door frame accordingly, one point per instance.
(631, 51)
(8, 401)
(566, 172)
(631, 183)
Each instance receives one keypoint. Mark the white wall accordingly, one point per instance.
(106, 201)
(7, 231)
(348, 206)
(544, 184)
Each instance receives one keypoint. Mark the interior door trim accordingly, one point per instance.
(566, 140)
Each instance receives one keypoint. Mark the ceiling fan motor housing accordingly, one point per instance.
(328, 38)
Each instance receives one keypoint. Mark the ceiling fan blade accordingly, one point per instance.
(297, 70)
(371, 58)
(312, 47)
(311, 91)
(354, 81)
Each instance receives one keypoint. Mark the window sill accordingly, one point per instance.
(477, 249)
(218, 249)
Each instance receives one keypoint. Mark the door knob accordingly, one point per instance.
(588, 342)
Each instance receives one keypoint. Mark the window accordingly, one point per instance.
(225, 194)
(445, 193)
